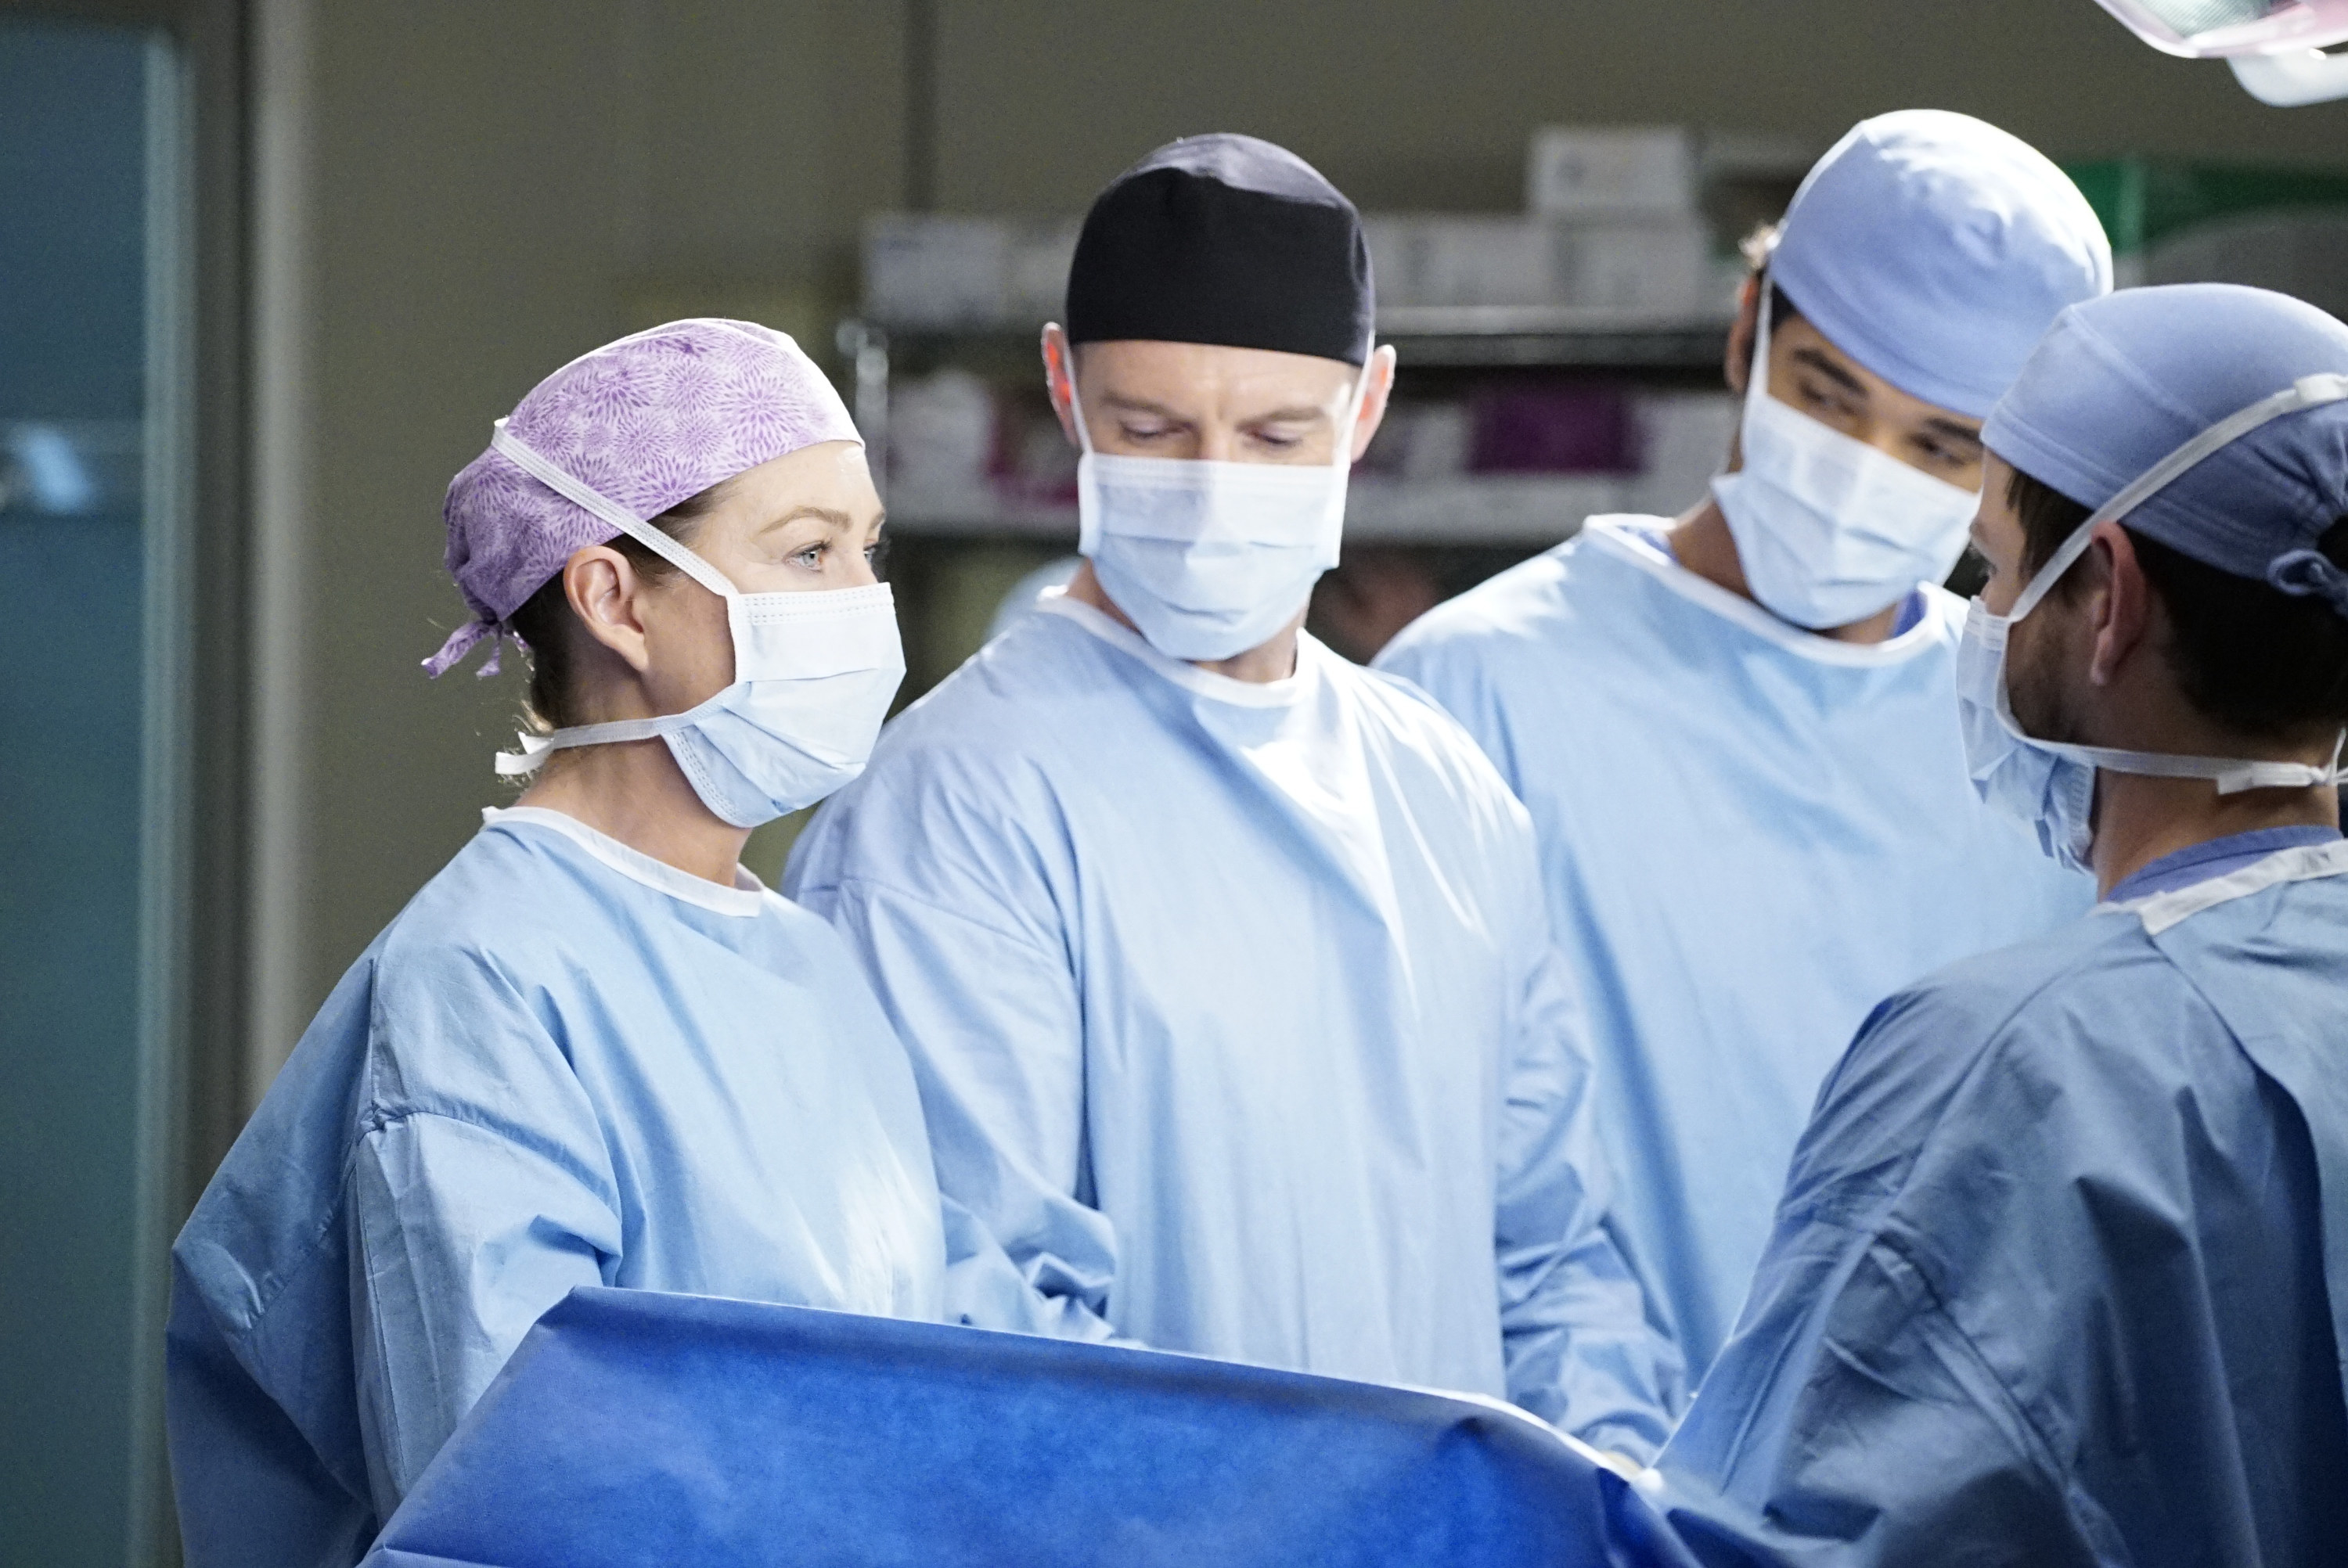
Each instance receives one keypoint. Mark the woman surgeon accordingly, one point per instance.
(592, 1049)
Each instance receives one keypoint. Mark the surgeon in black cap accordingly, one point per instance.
(1223, 962)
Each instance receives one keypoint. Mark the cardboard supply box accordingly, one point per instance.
(1659, 264)
(1613, 171)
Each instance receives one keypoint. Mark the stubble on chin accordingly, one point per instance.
(2041, 668)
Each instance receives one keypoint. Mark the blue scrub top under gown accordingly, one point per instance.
(1750, 835)
(2060, 1275)
(563, 1064)
(1237, 1021)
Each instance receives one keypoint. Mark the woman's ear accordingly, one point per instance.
(606, 592)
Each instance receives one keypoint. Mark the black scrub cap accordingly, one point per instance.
(1223, 239)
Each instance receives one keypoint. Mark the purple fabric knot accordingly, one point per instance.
(460, 642)
(2305, 574)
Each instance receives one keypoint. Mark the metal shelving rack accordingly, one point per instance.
(1435, 346)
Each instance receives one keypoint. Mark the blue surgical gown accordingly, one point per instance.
(1750, 835)
(2061, 1273)
(1236, 1020)
(563, 1064)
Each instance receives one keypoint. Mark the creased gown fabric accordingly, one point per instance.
(549, 1070)
(1236, 1020)
(1749, 836)
(2061, 1274)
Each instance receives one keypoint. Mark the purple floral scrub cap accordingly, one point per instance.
(647, 422)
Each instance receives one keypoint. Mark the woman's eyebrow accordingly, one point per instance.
(832, 515)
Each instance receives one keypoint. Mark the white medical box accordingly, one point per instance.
(1613, 171)
(1647, 264)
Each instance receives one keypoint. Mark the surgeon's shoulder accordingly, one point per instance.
(2039, 1011)
(496, 898)
(514, 889)
(1422, 739)
(1525, 606)
(1975, 1000)
(971, 777)
(2098, 952)
(493, 953)
(1020, 696)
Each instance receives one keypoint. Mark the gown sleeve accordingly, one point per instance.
(1582, 1349)
(984, 1289)
(472, 1209)
(958, 936)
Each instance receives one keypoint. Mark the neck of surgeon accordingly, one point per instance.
(2138, 820)
(635, 792)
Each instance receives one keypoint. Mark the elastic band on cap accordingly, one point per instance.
(579, 492)
(2307, 392)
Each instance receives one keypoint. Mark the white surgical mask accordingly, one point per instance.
(1828, 529)
(813, 676)
(2052, 784)
(1209, 558)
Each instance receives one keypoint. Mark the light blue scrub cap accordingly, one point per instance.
(1934, 249)
(2122, 381)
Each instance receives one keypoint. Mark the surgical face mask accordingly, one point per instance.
(1209, 558)
(1828, 529)
(2052, 784)
(813, 676)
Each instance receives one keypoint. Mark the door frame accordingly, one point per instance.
(195, 860)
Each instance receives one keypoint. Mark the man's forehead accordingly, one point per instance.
(1171, 374)
(1803, 339)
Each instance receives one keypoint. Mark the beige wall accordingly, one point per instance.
(1411, 102)
(485, 191)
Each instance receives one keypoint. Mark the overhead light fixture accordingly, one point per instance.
(2277, 48)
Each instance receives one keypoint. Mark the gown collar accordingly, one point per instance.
(744, 899)
(2216, 857)
(1624, 539)
(2305, 861)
